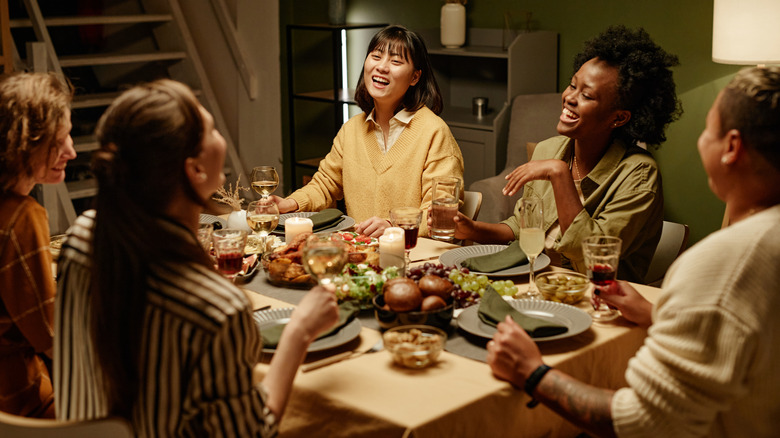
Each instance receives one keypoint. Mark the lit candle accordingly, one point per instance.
(391, 247)
(294, 226)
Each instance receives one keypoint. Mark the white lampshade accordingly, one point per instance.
(746, 32)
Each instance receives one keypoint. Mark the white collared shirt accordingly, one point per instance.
(397, 124)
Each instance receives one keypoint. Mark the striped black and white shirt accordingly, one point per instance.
(198, 348)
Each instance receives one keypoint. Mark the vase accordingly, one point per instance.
(237, 220)
(337, 11)
(453, 25)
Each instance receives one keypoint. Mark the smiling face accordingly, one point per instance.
(50, 163)
(590, 103)
(388, 74)
(211, 159)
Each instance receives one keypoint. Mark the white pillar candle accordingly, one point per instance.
(294, 226)
(391, 248)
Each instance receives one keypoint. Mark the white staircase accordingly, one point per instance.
(131, 41)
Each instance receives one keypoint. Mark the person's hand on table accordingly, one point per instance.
(632, 305)
(372, 227)
(317, 312)
(531, 171)
(285, 205)
(512, 354)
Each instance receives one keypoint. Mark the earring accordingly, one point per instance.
(202, 176)
(724, 161)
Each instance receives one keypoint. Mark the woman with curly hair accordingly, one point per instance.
(594, 178)
(35, 147)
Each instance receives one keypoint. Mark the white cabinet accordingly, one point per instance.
(482, 68)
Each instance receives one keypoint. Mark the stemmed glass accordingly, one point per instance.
(531, 237)
(262, 217)
(602, 254)
(229, 245)
(324, 257)
(264, 180)
(408, 219)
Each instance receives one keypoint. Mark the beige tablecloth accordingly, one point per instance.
(458, 397)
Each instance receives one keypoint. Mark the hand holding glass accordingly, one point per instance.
(324, 257)
(445, 197)
(531, 237)
(262, 217)
(264, 180)
(229, 247)
(602, 254)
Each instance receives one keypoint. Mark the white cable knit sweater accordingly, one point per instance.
(710, 365)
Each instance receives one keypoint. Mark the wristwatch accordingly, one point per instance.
(533, 381)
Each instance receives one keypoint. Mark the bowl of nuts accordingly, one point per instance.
(562, 287)
(414, 346)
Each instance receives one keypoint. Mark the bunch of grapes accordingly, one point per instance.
(468, 288)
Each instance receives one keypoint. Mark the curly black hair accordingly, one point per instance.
(645, 84)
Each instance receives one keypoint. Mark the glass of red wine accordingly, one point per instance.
(602, 254)
(229, 245)
(408, 219)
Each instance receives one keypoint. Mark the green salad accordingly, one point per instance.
(360, 282)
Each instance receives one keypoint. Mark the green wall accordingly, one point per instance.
(681, 27)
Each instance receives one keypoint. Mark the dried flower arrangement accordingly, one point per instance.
(231, 196)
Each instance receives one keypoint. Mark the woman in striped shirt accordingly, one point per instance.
(146, 328)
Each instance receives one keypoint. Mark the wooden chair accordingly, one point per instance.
(14, 426)
(674, 240)
(472, 203)
(6, 54)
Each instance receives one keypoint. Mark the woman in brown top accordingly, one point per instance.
(35, 146)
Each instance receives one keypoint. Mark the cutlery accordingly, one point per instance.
(340, 357)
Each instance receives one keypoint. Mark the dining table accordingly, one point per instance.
(368, 395)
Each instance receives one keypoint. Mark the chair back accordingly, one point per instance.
(14, 426)
(534, 118)
(472, 203)
(674, 240)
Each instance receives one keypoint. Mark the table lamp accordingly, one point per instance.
(746, 32)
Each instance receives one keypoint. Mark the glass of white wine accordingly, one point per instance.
(531, 237)
(324, 256)
(262, 217)
(264, 180)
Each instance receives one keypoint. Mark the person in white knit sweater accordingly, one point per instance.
(708, 365)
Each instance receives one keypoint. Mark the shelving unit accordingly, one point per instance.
(315, 89)
(482, 68)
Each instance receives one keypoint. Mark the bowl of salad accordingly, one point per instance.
(360, 282)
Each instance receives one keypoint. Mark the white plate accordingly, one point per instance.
(273, 317)
(348, 222)
(458, 255)
(210, 219)
(576, 320)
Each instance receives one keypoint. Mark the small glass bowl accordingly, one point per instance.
(414, 346)
(562, 287)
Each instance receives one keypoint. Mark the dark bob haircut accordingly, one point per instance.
(410, 45)
(645, 84)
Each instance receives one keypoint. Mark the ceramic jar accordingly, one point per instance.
(237, 220)
(453, 25)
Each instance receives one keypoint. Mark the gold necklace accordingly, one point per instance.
(577, 168)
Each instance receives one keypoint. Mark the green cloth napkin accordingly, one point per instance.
(347, 312)
(324, 219)
(504, 259)
(494, 309)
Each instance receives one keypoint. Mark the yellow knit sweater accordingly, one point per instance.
(370, 182)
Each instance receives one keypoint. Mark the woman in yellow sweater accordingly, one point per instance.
(387, 156)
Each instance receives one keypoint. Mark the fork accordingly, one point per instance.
(341, 356)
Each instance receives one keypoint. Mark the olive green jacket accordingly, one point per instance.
(623, 198)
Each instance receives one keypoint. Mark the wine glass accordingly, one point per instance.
(324, 256)
(229, 244)
(408, 219)
(264, 180)
(602, 254)
(262, 217)
(531, 237)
